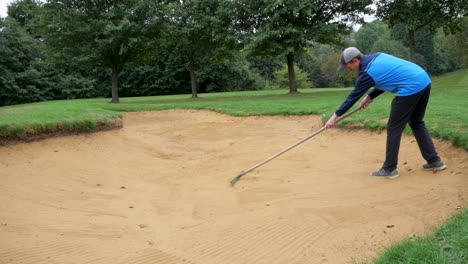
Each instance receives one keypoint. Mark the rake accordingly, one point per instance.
(244, 172)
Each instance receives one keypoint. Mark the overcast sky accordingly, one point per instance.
(3, 7)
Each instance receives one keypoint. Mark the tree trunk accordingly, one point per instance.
(292, 74)
(193, 80)
(115, 85)
(412, 45)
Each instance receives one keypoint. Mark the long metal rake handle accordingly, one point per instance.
(242, 173)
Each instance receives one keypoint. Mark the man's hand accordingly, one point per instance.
(365, 102)
(332, 121)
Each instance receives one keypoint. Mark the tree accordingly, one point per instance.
(445, 63)
(23, 11)
(199, 30)
(423, 44)
(285, 28)
(265, 66)
(391, 46)
(108, 33)
(324, 73)
(368, 34)
(282, 78)
(229, 75)
(455, 45)
(20, 81)
(416, 15)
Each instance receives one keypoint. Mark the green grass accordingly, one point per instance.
(446, 118)
(23, 122)
(448, 245)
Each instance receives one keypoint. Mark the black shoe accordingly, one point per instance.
(384, 174)
(435, 166)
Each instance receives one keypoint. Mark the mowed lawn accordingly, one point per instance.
(446, 118)
(446, 115)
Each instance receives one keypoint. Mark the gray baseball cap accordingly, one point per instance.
(346, 56)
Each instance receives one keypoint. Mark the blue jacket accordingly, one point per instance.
(387, 74)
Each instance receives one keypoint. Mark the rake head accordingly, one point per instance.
(238, 176)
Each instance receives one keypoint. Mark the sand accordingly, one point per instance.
(157, 191)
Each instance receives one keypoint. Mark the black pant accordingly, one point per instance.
(409, 109)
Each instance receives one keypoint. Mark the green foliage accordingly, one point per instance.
(388, 45)
(23, 11)
(199, 30)
(229, 75)
(368, 34)
(281, 27)
(73, 86)
(100, 33)
(432, 51)
(21, 80)
(285, 28)
(167, 76)
(324, 73)
(265, 66)
(157, 78)
(25, 74)
(443, 61)
(282, 78)
(423, 46)
(454, 45)
(416, 15)
(173, 46)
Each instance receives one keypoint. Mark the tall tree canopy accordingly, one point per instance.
(200, 31)
(59, 49)
(23, 11)
(92, 33)
(20, 80)
(368, 34)
(455, 45)
(287, 27)
(416, 15)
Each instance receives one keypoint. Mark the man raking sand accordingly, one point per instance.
(412, 86)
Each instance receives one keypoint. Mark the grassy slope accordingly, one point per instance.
(448, 107)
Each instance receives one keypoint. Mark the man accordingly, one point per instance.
(412, 86)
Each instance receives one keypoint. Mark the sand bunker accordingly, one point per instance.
(157, 191)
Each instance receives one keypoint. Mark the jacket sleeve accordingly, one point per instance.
(374, 93)
(363, 83)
